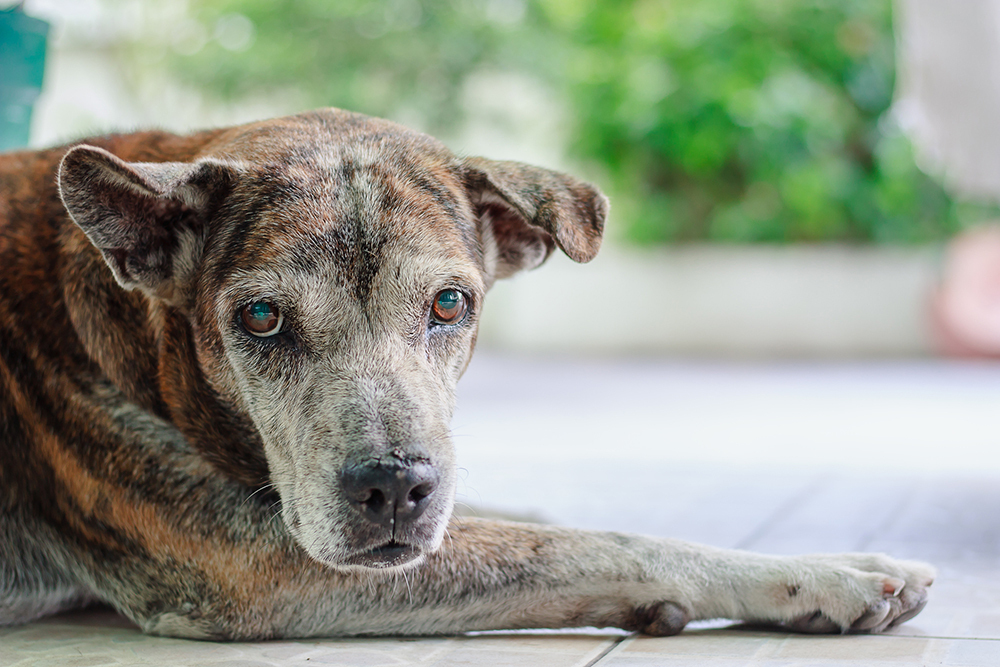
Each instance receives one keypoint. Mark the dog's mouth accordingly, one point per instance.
(390, 554)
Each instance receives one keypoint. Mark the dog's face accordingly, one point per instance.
(332, 269)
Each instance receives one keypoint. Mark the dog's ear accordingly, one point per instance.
(529, 210)
(146, 218)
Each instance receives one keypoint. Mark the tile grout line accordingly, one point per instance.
(620, 641)
(767, 652)
(448, 644)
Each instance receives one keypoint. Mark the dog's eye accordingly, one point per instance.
(262, 319)
(449, 307)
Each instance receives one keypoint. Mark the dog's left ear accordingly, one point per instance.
(529, 210)
(147, 218)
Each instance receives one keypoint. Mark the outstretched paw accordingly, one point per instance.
(863, 593)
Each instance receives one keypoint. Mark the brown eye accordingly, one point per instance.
(449, 307)
(262, 319)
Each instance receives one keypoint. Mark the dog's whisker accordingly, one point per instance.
(275, 515)
(270, 485)
(467, 506)
(409, 591)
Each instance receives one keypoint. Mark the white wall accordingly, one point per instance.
(715, 300)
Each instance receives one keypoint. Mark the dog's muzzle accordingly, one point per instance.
(389, 494)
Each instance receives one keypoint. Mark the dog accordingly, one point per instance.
(227, 367)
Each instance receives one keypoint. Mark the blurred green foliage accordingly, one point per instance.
(723, 120)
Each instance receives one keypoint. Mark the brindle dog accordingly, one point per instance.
(201, 333)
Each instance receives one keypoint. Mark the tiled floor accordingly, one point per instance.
(895, 457)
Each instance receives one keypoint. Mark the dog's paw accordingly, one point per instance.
(859, 593)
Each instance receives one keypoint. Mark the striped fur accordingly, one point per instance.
(157, 456)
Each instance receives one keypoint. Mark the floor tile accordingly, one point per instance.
(97, 638)
(882, 417)
(952, 518)
(837, 512)
(839, 649)
(603, 494)
(972, 653)
(962, 605)
(725, 643)
(731, 648)
(548, 650)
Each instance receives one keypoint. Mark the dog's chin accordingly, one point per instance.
(388, 556)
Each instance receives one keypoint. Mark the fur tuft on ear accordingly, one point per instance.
(146, 218)
(529, 210)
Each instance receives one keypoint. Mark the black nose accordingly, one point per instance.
(389, 489)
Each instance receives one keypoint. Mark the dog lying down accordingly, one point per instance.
(198, 333)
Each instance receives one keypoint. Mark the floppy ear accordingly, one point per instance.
(529, 210)
(146, 218)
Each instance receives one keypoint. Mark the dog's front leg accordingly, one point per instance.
(504, 575)
(494, 575)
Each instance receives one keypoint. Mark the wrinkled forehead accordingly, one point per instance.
(350, 215)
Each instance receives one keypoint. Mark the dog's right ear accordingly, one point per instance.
(146, 218)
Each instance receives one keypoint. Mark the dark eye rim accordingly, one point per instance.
(466, 312)
(278, 330)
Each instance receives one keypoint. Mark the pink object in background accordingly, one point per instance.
(966, 307)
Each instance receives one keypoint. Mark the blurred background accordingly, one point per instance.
(802, 248)
(785, 176)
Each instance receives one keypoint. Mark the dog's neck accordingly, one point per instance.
(154, 364)
(103, 334)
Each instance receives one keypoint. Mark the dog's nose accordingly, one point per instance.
(387, 490)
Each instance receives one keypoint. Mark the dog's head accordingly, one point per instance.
(332, 269)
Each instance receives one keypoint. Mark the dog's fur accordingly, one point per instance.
(148, 441)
